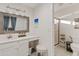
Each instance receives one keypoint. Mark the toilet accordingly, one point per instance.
(75, 43)
(75, 48)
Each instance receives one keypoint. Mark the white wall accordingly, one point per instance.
(45, 28)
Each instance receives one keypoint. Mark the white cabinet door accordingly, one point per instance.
(23, 48)
(19, 48)
(1, 52)
(9, 49)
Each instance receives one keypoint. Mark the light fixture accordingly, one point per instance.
(65, 22)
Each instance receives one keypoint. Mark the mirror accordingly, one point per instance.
(14, 23)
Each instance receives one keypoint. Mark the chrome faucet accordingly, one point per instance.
(10, 36)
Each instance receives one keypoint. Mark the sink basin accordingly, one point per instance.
(5, 38)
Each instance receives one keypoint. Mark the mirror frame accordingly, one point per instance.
(19, 31)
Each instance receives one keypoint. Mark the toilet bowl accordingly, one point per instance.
(75, 48)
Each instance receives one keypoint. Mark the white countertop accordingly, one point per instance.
(8, 40)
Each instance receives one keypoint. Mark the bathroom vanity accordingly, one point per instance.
(16, 46)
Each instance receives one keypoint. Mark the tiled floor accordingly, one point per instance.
(34, 54)
(60, 51)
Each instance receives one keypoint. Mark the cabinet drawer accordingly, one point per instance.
(11, 51)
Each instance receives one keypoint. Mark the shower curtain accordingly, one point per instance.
(6, 22)
(13, 22)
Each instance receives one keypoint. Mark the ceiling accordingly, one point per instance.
(61, 9)
(30, 5)
(58, 6)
